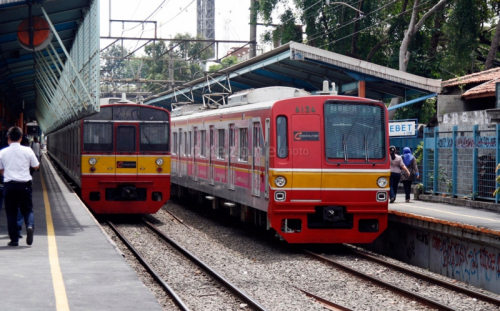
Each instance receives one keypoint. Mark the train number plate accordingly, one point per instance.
(126, 164)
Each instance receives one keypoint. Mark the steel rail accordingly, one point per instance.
(325, 303)
(428, 278)
(178, 219)
(178, 301)
(423, 300)
(209, 270)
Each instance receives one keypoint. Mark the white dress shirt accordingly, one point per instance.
(16, 160)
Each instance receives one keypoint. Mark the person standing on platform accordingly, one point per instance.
(407, 179)
(396, 166)
(15, 162)
(35, 145)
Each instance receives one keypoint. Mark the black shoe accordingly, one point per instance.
(13, 243)
(19, 237)
(29, 238)
(392, 200)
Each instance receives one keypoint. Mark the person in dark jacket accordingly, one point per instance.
(407, 179)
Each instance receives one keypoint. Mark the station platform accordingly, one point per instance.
(459, 221)
(72, 264)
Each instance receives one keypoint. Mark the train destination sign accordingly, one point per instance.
(405, 128)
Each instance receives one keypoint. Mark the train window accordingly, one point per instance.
(98, 137)
(106, 113)
(231, 135)
(190, 142)
(175, 142)
(354, 131)
(154, 137)
(151, 114)
(243, 148)
(125, 138)
(180, 141)
(186, 143)
(203, 152)
(195, 136)
(220, 145)
(256, 135)
(282, 137)
(124, 113)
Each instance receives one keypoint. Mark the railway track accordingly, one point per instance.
(412, 295)
(185, 253)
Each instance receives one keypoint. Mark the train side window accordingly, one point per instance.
(212, 141)
(175, 143)
(180, 141)
(231, 136)
(282, 137)
(190, 142)
(243, 146)
(195, 141)
(203, 143)
(222, 138)
(186, 144)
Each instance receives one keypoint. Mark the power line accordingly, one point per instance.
(150, 15)
(177, 14)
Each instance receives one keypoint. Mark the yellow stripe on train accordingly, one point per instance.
(144, 164)
(342, 180)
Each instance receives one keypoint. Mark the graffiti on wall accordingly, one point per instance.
(465, 143)
(445, 142)
(466, 262)
(486, 142)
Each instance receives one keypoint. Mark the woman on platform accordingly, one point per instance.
(407, 179)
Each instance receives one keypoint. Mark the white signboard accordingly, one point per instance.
(406, 128)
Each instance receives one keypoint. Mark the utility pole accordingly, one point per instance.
(253, 28)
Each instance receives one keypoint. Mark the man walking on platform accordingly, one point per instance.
(15, 162)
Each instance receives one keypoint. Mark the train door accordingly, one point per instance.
(126, 150)
(232, 157)
(306, 158)
(256, 155)
(212, 155)
(179, 157)
(196, 153)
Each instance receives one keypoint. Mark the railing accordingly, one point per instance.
(461, 163)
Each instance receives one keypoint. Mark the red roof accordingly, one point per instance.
(486, 88)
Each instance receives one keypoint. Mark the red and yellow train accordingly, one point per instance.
(313, 168)
(119, 157)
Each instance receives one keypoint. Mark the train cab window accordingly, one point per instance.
(203, 148)
(282, 137)
(151, 114)
(243, 146)
(354, 131)
(126, 138)
(154, 137)
(220, 145)
(175, 143)
(124, 113)
(106, 113)
(98, 137)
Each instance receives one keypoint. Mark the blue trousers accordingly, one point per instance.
(17, 197)
(20, 218)
(395, 177)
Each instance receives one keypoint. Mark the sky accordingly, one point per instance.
(176, 16)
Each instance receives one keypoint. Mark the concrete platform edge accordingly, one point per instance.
(460, 202)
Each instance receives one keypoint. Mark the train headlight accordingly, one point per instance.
(382, 182)
(280, 181)
(92, 161)
(159, 161)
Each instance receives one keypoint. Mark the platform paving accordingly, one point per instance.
(94, 275)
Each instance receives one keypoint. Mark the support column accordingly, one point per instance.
(253, 29)
(361, 89)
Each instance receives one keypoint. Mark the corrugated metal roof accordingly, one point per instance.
(305, 67)
(477, 77)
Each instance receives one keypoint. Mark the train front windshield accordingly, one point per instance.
(354, 131)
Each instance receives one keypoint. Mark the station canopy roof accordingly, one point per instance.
(305, 67)
(18, 81)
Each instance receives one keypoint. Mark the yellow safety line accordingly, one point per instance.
(457, 214)
(57, 279)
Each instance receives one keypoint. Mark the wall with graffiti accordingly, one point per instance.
(460, 259)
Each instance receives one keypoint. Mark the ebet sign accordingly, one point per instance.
(402, 128)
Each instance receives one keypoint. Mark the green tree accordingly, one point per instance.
(225, 63)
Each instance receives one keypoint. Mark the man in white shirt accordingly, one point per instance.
(15, 162)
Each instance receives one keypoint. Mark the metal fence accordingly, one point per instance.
(461, 163)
